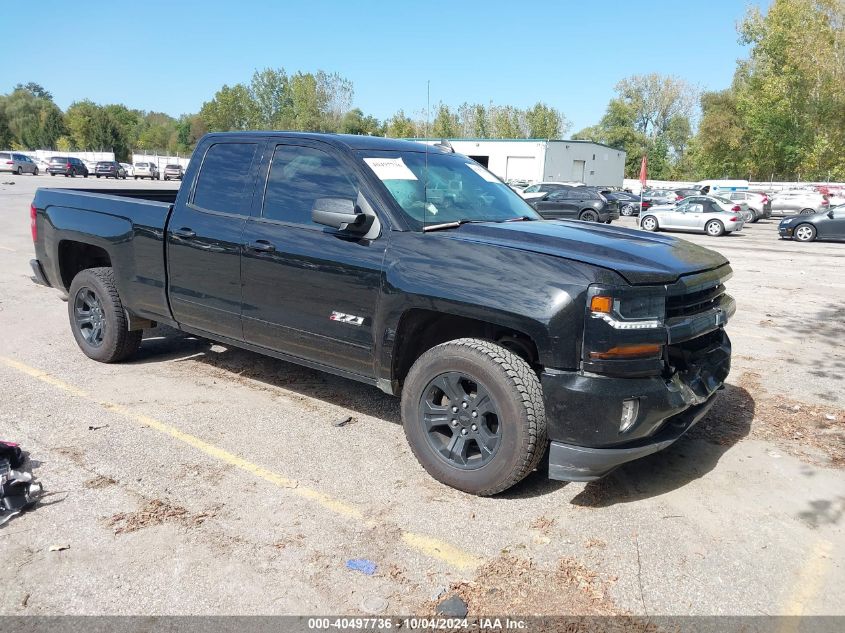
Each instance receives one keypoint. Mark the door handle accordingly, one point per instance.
(261, 246)
(185, 233)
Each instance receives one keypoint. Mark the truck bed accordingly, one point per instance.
(135, 219)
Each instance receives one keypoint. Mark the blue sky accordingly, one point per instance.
(172, 56)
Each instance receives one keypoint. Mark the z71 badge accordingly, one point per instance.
(351, 319)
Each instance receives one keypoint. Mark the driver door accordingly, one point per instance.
(833, 228)
(308, 290)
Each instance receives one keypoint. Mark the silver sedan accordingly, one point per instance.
(701, 216)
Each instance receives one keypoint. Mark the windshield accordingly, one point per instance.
(453, 188)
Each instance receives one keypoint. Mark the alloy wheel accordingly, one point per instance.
(89, 315)
(460, 420)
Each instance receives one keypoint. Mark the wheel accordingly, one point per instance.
(473, 415)
(35, 173)
(97, 318)
(98, 176)
(18, 171)
(754, 216)
(72, 173)
(649, 223)
(805, 233)
(714, 228)
(165, 179)
(627, 210)
(52, 173)
(589, 215)
(807, 211)
(85, 175)
(136, 177)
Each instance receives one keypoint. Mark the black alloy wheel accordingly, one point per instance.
(460, 420)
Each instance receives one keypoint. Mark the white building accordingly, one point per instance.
(537, 160)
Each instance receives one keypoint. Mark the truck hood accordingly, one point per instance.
(640, 257)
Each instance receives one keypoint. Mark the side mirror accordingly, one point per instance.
(338, 213)
(830, 214)
(546, 196)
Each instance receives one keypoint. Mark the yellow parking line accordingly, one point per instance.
(810, 580)
(430, 546)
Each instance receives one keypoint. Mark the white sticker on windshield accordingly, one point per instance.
(390, 168)
(478, 169)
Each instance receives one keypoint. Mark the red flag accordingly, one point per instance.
(643, 171)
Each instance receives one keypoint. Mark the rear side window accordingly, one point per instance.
(5, 155)
(225, 179)
(300, 175)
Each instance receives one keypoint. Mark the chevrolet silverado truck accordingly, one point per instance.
(511, 340)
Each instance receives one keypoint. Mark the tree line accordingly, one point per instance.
(783, 117)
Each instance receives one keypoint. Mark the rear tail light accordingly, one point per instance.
(825, 203)
(734, 219)
(736, 208)
(33, 214)
(9, 162)
(646, 204)
(67, 166)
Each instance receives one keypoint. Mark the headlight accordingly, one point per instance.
(631, 310)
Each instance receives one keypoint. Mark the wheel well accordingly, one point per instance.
(76, 256)
(419, 330)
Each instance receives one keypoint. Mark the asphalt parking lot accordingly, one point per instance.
(201, 479)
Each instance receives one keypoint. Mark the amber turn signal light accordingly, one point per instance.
(645, 350)
(601, 303)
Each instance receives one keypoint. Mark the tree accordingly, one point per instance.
(36, 90)
(506, 122)
(232, 108)
(445, 124)
(354, 122)
(400, 126)
(29, 121)
(545, 122)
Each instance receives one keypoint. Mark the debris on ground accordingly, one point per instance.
(155, 512)
(344, 421)
(100, 481)
(363, 565)
(374, 605)
(452, 607)
(439, 592)
(18, 488)
(58, 548)
(542, 523)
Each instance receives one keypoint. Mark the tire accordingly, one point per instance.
(35, 173)
(136, 177)
(588, 215)
(807, 211)
(804, 233)
(754, 216)
(19, 172)
(714, 228)
(95, 289)
(72, 173)
(165, 179)
(98, 176)
(627, 210)
(649, 223)
(52, 173)
(513, 420)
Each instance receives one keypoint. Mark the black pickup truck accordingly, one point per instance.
(413, 269)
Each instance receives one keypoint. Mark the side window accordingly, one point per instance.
(531, 189)
(558, 195)
(298, 176)
(225, 179)
(695, 208)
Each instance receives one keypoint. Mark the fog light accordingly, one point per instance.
(630, 410)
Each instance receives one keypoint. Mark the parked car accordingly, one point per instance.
(146, 170)
(798, 201)
(110, 169)
(685, 193)
(758, 202)
(18, 164)
(173, 172)
(601, 346)
(576, 203)
(628, 203)
(660, 196)
(67, 166)
(728, 206)
(129, 169)
(700, 214)
(825, 225)
(41, 164)
(539, 189)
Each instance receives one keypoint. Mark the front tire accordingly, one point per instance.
(649, 223)
(805, 233)
(35, 173)
(714, 228)
(97, 318)
(474, 416)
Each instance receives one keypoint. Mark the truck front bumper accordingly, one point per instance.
(584, 412)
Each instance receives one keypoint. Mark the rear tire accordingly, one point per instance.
(97, 318)
(714, 228)
(804, 233)
(649, 223)
(588, 215)
(450, 442)
(19, 172)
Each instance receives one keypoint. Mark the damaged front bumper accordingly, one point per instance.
(584, 412)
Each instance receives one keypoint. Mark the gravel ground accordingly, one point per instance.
(201, 479)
